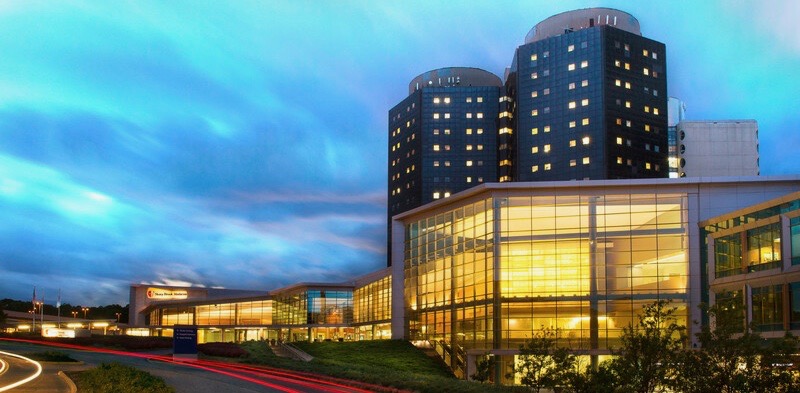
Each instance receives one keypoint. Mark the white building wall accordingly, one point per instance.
(718, 148)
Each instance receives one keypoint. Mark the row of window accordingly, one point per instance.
(469, 115)
(466, 163)
(572, 143)
(571, 86)
(647, 146)
(647, 165)
(446, 100)
(546, 54)
(645, 52)
(571, 124)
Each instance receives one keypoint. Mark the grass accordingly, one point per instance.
(52, 356)
(391, 363)
(114, 377)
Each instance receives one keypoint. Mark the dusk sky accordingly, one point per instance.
(243, 144)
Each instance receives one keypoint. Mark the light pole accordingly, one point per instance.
(118, 315)
(75, 314)
(85, 310)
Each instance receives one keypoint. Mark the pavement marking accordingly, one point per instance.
(26, 380)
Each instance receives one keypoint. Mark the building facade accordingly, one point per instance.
(717, 148)
(588, 96)
(485, 269)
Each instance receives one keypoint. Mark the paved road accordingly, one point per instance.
(203, 377)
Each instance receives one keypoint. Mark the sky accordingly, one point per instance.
(243, 144)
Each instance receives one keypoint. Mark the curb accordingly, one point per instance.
(70, 384)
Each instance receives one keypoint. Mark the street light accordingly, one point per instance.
(118, 315)
(85, 310)
(74, 314)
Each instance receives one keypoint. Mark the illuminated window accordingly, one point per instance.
(447, 163)
(435, 131)
(619, 121)
(571, 67)
(469, 179)
(617, 63)
(505, 162)
(645, 52)
(435, 147)
(469, 147)
(646, 165)
(436, 195)
(627, 104)
(436, 100)
(447, 131)
(534, 94)
(479, 115)
(655, 111)
(480, 99)
(469, 131)
(584, 102)
(572, 124)
(647, 109)
(547, 166)
(572, 86)
(534, 149)
(504, 114)
(570, 48)
(535, 112)
(619, 140)
(627, 123)
(435, 115)
(585, 140)
(505, 130)
(469, 162)
(617, 82)
(627, 85)
(572, 163)
(447, 100)
(469, 99)
(655, 56)
(447, 147)
(534, 57)
(446, 115)
(572, 143)
(436, 163)
(584, 63)
(627, 66)
(469, 115)
(571, 105)
(646, 71)
(585, 160)
(446, 194)
(584, 83)
(535, 168)
(585, 121)
(627, 47)
(479, 147)
(546, 148)
(534, 75)
(647, 127)
(546, 128)
(480, 131)
(534, 130)
(619, 160)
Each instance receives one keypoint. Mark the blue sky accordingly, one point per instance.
(243, 144)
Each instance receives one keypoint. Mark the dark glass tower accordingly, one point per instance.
(442, 137)
(587, 100)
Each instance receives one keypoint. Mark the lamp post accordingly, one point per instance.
(85, 310)
(75, 314)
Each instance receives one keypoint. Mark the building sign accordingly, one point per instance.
(184, 342)
(167, 294)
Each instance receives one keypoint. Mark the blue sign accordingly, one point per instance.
(184, 340)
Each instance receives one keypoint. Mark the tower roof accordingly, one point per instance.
(581, 19)
(454, 76)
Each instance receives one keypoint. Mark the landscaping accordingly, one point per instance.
(52, 356)
(114, 377)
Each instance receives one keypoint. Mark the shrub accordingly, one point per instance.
(228, 350)
(51, 356)
(114, 377)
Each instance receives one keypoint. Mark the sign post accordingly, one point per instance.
(184, 342)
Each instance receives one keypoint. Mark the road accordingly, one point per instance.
(188, 377)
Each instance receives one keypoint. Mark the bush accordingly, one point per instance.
(114, 377)
(51, 356)
(228, 350)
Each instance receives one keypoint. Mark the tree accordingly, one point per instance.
(649, 348)
(2, 316)
(542, 364)
(484, 368)
(734, 358)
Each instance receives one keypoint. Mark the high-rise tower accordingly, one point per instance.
(588, 99)
(442, 136)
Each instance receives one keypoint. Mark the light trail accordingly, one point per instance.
(26, 380)
(243, 372)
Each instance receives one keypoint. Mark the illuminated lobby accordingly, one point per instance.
(486, 268)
